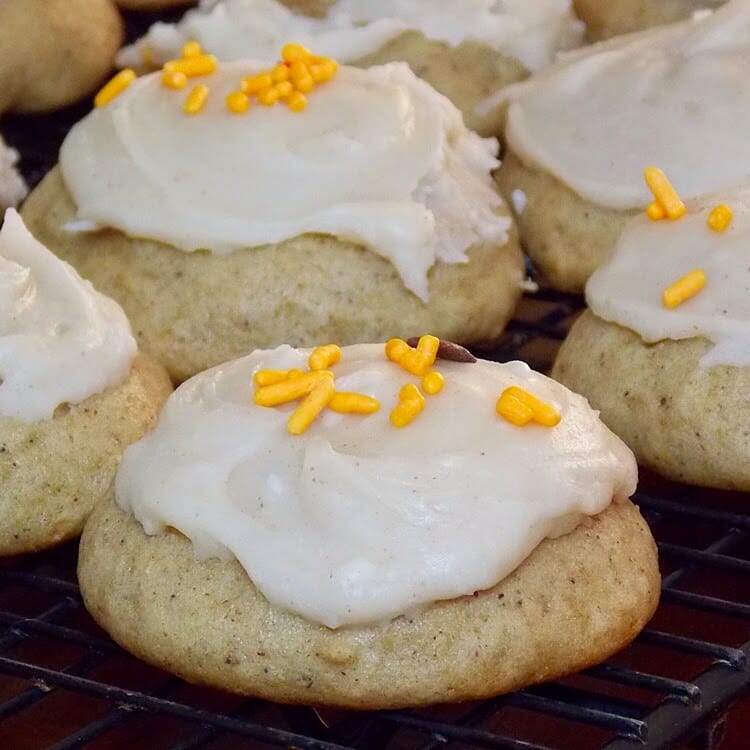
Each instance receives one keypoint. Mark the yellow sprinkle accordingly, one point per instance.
(196, 100)
(295, 373)
(268, 97)
(429, 345)
(655, 212)
(683, 289)
(283, 89)
(290, 389)
(324, 357)
(720, 218)
(200, 65)
(513, 410)
(270, 377)
(173, 79)
(324, 71)
(433, 382)
(280, 73)
(395, 349)
(296, 101)
(307, 412)
(114, 87)
(191, 49)
(415, 362)
(664, 193)
(295, 52)
(238, 102)
(541, 412)
(353, 403)
(301, 77)
(411, 403)
(254, 84)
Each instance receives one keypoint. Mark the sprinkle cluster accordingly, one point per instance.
(297, 74)
(316, 388)
(667, 204)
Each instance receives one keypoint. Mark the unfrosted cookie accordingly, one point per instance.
(73, 394)
(607, 18)
(364, 565)
(580, 136)
(43, 63)
(467, 51)
(338, 222)
(673, 383)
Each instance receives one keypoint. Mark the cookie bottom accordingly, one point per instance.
(565, 236)
(53, 472)
(684, 422)
(576, 600)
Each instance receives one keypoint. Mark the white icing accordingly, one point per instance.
(650, 256)
(60, 340)
(378, 157)
(677, 97)
(356, 521)
(532, 31)
(12, 186)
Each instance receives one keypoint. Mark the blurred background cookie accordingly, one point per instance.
(467, 51)
(580, 136)
(370, 213)
(312, 551)
(664, 353)
(44, 64)
(73, 393)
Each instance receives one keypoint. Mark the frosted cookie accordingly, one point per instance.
(43, 64)
(359, 210)
(466, 50)
(12, 186)
(73, 393)
(151, 4)
(607, 18)
(666, 359)
(579, 137)
(372, 528)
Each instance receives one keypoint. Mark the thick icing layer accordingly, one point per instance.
(531, 31)
(356, 521)
(650, 256)
(378, 157)
(12, 186)
(676, 97)
(60, 340)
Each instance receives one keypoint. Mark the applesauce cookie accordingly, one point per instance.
(580, 135)
(335, 222)
(43, 64)
(667, 364)
(466, 51)
(372, 529)
(73, 394)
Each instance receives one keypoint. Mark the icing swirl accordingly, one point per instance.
(677, 97)
(649, 256)
(356, 521)
(531, 31)
(378, 157)
(60, 340)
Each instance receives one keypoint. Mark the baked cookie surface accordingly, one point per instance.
(53, 472)
(574, 602)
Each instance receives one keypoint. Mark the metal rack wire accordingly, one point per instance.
(64, 685)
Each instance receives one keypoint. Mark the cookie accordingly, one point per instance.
(580, 136)
(672, 382)
(371, 553)
(613, 17)
(73, 394)
(466, 54)
(393, 230)
(43, 65)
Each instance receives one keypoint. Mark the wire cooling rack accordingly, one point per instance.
(65, 685)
